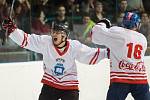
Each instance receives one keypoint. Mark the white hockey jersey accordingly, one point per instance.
(59, 67)
(127, 49)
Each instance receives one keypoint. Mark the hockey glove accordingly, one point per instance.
(106, 21)
(9, 25)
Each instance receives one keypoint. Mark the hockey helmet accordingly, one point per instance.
(61, 27)
(131, 20)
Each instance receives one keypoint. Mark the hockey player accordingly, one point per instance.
(59, 55)
(127, 48)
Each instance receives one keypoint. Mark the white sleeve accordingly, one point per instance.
(89, 55)
(105, 36)
(99, 33)
(28, 41)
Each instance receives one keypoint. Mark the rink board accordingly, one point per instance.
(21, 81)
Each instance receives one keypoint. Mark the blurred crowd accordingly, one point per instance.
(38, 16)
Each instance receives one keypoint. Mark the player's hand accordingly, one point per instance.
(106, 21)
(8, 25)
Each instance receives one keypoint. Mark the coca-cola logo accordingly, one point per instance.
(125, 65)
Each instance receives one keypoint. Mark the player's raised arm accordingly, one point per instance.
(32, 42)
(89, 55)
(104, 34)
(100, 32)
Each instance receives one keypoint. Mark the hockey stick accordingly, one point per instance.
(11, 9)
(10, 16)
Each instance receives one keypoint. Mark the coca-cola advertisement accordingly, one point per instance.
(125, 65)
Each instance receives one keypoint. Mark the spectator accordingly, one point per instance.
(119, 19)
(121, 10)
(47, 7)
(98, 12)
(3, 12)
(87, 6)
(3, 9)
(82, 31)
(145, 25)
(38, 23)
(135, 5)
(72, 8)
(109, 7)
(146, 5)
(5, 6)
(22, 15)
(123, 6)
(61, 18)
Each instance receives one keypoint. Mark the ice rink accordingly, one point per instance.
(21, 81)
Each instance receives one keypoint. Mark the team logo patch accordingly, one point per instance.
(59, 67)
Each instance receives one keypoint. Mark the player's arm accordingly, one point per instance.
(100, 32)
(89, 55)
(103, 34)
(32, 42)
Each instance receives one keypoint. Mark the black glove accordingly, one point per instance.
(106, 21)
(8, 25)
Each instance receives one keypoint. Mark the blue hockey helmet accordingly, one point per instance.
(131, 20)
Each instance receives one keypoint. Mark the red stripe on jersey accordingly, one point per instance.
(47, 77)
(73, 87)
(127, 73)
(24, 42)
(56, 80)
(69, 82)
(129, 81)
(51, 76)
(128, 76)
(70, 74)
(93, 58)
(98, 52)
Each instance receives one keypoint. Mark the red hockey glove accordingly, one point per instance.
(8, 25)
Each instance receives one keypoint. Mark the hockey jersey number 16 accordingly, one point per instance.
(127, 49)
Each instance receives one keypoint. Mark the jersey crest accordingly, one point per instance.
(59, 67)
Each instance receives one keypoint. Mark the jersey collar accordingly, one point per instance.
(61, 53)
